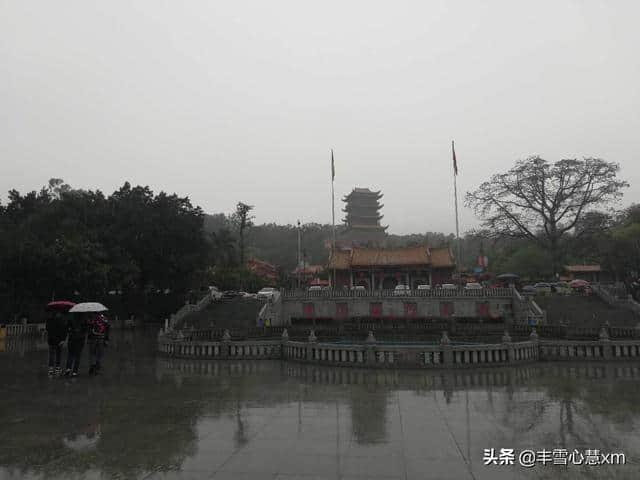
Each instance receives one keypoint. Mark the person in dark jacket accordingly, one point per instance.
(98, 338)
(77, 334)
(56, 335)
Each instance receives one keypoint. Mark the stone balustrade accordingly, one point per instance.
(24, 330)
(433, 293)
(367, 354)
(598, 350)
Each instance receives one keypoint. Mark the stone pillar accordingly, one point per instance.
(284, 340)
(312, 340)
(370, 349)
(533, 337)
(166, 325)
(506, 339)
(225, 346)
(605, 342)
(445, 348)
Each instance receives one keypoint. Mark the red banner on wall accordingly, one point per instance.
(482, 309)
(342, 310)
(307, 310)
(446, 309)
(375, 309)
(410, 309)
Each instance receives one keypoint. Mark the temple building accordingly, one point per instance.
(362, 220)
(384, 268)
(363, 258)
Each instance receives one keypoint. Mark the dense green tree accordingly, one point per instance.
(59, 241)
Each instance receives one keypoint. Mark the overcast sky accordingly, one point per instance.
(242, 101)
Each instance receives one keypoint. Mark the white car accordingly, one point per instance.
(266, 293)
(401, 290)
(424, 287)
(473, 286)
(449, 286)
(215, 293)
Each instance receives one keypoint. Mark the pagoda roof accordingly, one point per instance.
(351, 206)
(362, 192)
(404, 256)
(366, 227)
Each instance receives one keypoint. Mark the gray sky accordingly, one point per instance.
(228, 101)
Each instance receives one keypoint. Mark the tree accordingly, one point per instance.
(242, 221)
(544, 202)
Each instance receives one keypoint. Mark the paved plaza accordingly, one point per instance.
(152, 417)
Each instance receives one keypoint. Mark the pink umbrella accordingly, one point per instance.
(577, 283)
(60, 305)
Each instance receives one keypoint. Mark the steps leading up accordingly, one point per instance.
(227, 313)
(588, 311)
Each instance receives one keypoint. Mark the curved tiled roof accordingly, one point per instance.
(365, 257)
(362, 257)
(442, 257)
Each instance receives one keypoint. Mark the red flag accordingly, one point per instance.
(333, 169)
(455, 163)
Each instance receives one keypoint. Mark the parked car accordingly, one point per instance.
(424, 287)
(542, 288)
(561, 288)
(358, 288)
(473, 286)
(266, 293)
(315, 290)
(248, 295)
(215, 293)
(230, 294)
(449, 286)
(401, 290)
(578, 285)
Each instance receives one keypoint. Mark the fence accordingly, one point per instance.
(369, 353)
(433, 293)
(24, 330)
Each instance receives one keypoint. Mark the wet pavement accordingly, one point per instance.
(150, 417)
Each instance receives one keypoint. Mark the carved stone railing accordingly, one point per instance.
(25, 330)
(369, 354)
(433, 293)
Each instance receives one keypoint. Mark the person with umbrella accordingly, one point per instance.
(56, 326)
(78, 327)
(98, 338)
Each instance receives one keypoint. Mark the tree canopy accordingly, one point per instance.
(545, 202)
(59, 241)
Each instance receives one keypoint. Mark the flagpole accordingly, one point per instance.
(298, 255)
(333, 223)
(455, 195)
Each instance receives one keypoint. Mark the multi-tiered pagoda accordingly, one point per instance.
(363, 258)
(362, 219)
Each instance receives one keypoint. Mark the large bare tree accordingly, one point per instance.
(545, 201)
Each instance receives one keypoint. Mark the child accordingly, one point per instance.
(77, 334)
(98, 339)
(56, 335)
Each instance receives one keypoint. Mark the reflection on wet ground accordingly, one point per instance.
(160, 418)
